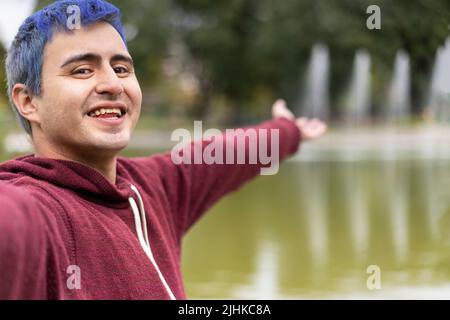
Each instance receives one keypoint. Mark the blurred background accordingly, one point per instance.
(374, 191)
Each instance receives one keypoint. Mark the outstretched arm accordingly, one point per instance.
(192, 188)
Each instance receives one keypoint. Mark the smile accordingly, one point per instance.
(108, 110)
(103, 113)
(108, 113)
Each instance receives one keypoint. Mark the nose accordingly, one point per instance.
(109, 83)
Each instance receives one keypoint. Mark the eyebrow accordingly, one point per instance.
(92, 57)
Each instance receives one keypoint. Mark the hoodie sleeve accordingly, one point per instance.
(22, 246)
(193, 188)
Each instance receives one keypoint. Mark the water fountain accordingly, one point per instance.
(316, 97)
(398, 104)
(439, 96)
(358, 106)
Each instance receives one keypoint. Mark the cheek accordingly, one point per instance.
(67, 90)
(134, 92)
(64, 100)
(53, 119)
(58, 113)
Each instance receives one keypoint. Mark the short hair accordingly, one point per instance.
(24, 59)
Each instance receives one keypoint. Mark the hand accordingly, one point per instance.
(310, 128)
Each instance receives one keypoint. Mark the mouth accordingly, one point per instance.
(108, 111)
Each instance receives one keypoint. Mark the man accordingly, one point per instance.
(76, 220)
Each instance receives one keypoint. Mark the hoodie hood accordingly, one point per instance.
(81, 179)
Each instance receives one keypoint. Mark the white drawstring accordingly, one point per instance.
(140, 222)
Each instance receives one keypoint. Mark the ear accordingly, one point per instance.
(24, 102)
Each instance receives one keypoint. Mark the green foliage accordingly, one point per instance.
(249, 44)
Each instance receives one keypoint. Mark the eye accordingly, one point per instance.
(121, 70)
(82, 71)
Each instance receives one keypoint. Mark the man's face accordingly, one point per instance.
(91, 99)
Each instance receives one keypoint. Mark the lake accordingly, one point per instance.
(319, 229)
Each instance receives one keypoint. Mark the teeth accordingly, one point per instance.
(106, 111)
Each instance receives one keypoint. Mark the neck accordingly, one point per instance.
(106, 165)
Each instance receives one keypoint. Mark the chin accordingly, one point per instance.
(111, 143)
(114, 145)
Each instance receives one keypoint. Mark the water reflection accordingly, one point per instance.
(312, 230)
(316, 217)
(356, 206)
(395, 184)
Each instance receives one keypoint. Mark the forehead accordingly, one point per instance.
(100, 38)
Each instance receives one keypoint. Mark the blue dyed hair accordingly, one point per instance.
(24, 59)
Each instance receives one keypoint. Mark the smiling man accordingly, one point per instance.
(90, 98)
(76, 220)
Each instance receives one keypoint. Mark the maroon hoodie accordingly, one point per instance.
(66, 232)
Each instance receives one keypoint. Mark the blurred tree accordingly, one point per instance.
(419, 27)
(246, 47)
(246, 44)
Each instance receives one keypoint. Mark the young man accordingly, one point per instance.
(76, 220)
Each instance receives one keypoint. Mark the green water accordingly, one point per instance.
(312, 231)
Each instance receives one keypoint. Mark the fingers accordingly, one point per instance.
(301, 121)
(311, 129)
(280, 110)
(318, 130)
